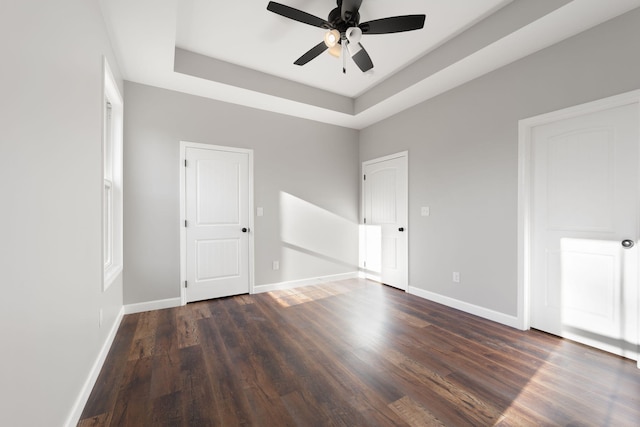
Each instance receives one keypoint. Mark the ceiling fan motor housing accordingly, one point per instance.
(335, 19)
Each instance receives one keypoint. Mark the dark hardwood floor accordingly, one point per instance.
(351, 353)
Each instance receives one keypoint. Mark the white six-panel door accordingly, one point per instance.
(217, 228)
(584, 282)
(385, 191)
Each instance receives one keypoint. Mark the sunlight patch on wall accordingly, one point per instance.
(371, 250)
(311, 234)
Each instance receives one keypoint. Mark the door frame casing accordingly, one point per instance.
(404, 155)
(525, 182)
(183, 210)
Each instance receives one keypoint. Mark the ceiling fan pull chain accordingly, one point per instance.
(344, 56)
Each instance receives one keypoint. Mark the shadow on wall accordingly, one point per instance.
(309, 230)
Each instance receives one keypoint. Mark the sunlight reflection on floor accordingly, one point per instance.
(292, 297)
(547, 377)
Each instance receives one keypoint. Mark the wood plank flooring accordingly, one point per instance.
(351, 353)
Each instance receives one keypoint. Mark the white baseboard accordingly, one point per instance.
(369, 276)
(83, 397)
(152, 305)
(304, 282)
(476, 310)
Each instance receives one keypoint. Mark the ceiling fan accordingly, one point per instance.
(344, 30)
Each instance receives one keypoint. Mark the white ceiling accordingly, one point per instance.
(408, 67)
(246, 33)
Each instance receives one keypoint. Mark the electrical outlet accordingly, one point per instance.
(260, 211)
(456, 277)
(276, 265)
(424, 211)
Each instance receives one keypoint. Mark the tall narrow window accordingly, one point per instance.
(108, 187)
(112, 179)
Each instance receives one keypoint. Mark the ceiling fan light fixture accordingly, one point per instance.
(354, 34)
(335, 50)
(331, 38)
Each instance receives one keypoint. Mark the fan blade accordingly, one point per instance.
(394, 24)
(297, 15)
(312, 53)
(360, 56)
(349, 8)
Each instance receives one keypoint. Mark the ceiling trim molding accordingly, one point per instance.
(205, 67)
(517, 30)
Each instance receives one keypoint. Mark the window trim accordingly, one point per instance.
(112, 200)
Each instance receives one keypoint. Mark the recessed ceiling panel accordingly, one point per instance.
(247, 34)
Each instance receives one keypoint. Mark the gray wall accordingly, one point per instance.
(463, 164)
(51, 215)
(305, 178)
(463, 158)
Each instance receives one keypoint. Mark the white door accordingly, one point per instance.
(584, 282)
(217, 227)
(385, 190)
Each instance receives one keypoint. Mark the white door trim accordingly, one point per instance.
(183, 212)
(525, 128)
(401, 154)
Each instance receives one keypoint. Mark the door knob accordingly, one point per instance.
(401, 229)
(244, 229)
(627, 244)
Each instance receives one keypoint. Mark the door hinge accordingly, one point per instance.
(365, 220)
(364, 177)
(185, 222)
(185, 163)
(365, 264)
(186, 285)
